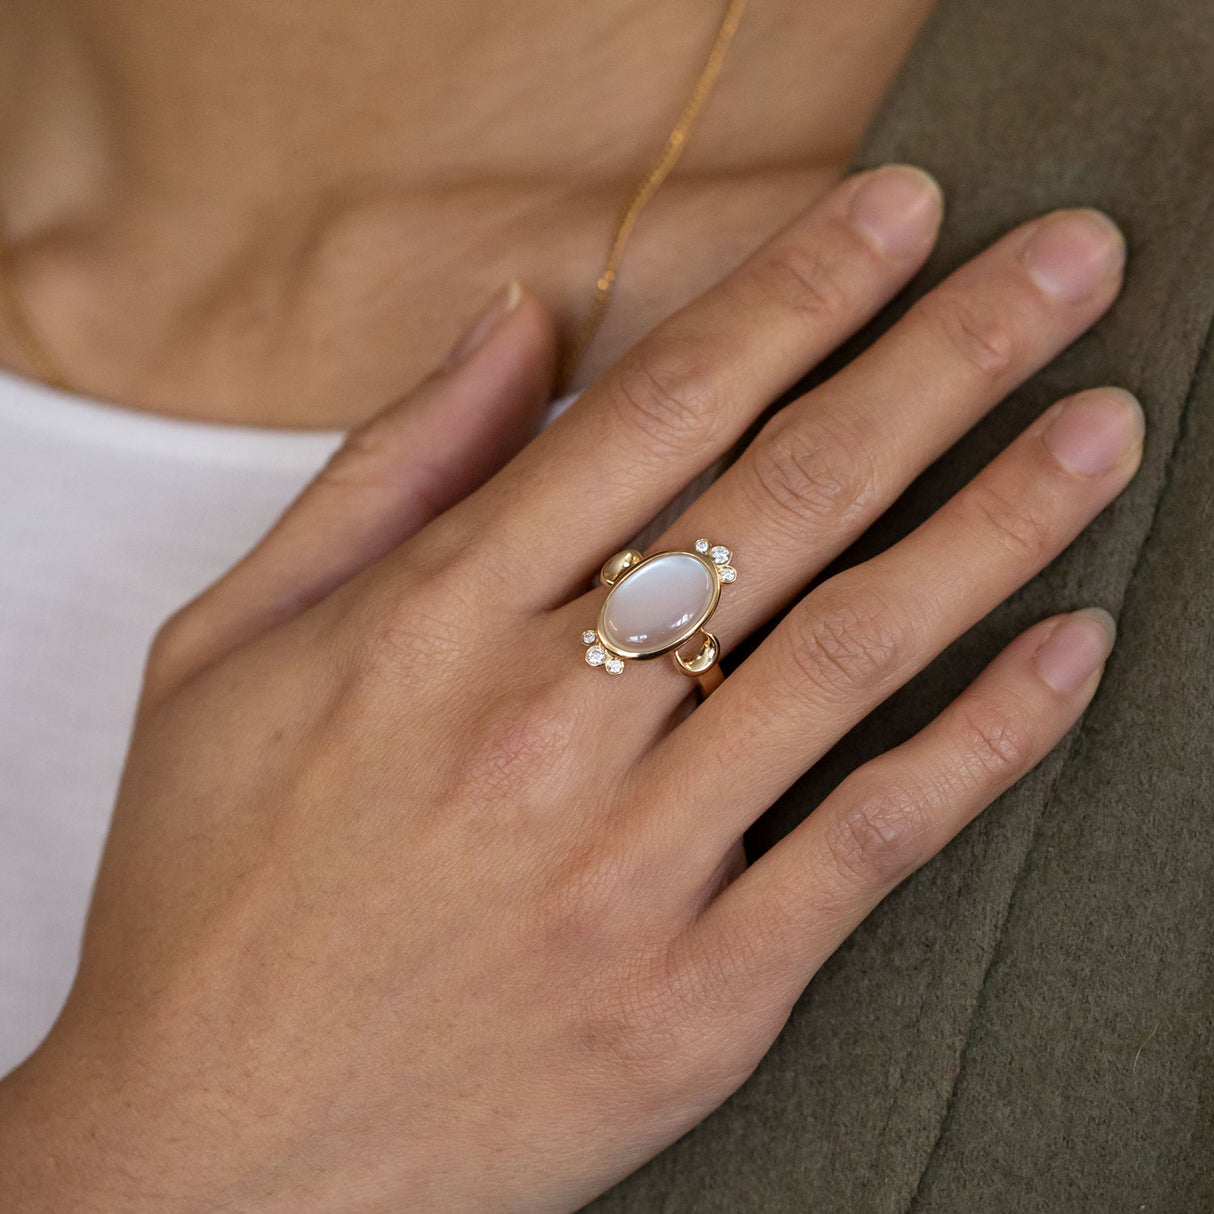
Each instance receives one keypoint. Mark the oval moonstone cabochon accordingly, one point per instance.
(657, 603)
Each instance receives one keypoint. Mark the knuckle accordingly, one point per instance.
(408, 629)
(637, 1019)
(527, 749)
(804, 282)
(994, 741)
(846, 641)
(1016, 526)
(809, 472)
(982, 337)
(880, 837)
(439, 614)
(582, 896)
(515, 758)
(669, 392)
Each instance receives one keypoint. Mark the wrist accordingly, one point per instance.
(74, 1138)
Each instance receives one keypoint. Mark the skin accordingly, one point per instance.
(404, 906)
(255, 211)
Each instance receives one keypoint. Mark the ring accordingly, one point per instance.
(659, 604)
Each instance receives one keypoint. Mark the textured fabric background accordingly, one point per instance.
(1027, 1024)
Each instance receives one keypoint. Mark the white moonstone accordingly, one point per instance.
(656, 603)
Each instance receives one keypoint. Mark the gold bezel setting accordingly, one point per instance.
(619, 568)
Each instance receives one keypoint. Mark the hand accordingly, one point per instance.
(406, 907)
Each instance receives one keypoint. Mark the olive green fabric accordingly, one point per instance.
(1027, 1023)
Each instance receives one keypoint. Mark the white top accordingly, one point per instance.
(110, 519)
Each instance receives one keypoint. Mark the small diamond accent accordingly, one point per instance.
(727, 573)
(596, 655)
(615, 665)
(588, 637)
(720, 555)
(701, 545)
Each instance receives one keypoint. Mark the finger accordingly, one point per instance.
(829, 464)
(390, 477)
(775, 925)
(864, 632)
(681, 396)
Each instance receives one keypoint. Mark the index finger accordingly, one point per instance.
(679, 398)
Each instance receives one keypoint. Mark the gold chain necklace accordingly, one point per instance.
(675, 142)
(48, 369)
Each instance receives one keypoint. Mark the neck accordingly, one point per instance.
(197, 115)
(198, 95)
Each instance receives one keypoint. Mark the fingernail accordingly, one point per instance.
(898, 207)
(1076, 648)
(477, 333)
(1072, 253)
(1095, 429)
